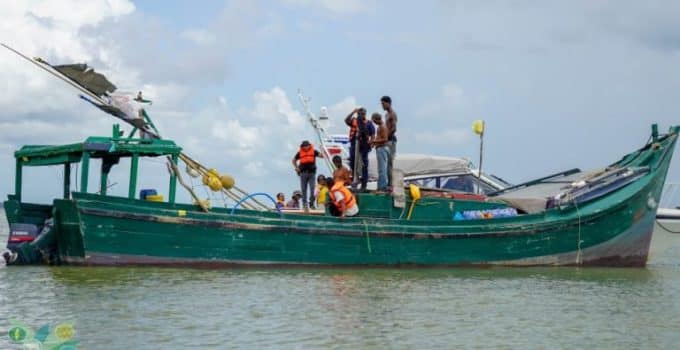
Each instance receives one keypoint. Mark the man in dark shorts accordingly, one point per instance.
(361, 132)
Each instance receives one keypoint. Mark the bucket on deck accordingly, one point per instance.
(143, 194)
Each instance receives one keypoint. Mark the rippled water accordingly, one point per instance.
(151, 308)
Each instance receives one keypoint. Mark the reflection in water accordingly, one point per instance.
(151, 308)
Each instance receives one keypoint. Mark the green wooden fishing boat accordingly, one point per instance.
(603, 217)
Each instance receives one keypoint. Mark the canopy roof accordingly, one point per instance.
(423, 164)
(96, 147)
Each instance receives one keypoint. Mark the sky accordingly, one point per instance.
(560, 84)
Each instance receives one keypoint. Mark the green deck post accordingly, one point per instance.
(133, 175)
(116, 131)
(103, 184)
(85, 172)
(67, 180)
(173, 182)
(17, 180)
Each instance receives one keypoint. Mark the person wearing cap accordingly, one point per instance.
(304, 163)
(294, 202)
(391, 124)
(361, 132)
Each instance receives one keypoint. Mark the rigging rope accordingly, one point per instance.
(578, 254)
(666, 228)
(368, 238)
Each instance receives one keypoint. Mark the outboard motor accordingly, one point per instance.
(21, 233)
(28, 244)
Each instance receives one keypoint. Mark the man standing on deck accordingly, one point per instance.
(383, 152)
(391, 124)
(361, 133)
(304, 162)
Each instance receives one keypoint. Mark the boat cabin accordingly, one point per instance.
(28, 219)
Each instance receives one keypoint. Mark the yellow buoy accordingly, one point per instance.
(205, 179)
(214, 183)
(214, 172)
(478, 127)
(227, 182)
(415, 191)
(415, 196)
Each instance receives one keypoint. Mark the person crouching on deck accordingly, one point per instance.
(304, 162)
(342, 202)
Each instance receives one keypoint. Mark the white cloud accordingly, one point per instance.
(342, 108)
(51, 28)
(236, 137)
(452, 103)
(78, 13)
(342, 7)
(256, 169)
(273, 106)
(199, 36)
(439, 138)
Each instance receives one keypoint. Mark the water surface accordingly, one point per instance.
(155, 308)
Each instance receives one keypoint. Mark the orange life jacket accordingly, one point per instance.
(307, 156)
(349, 199)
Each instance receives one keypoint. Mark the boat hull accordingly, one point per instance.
(122, 232)
(629, 249)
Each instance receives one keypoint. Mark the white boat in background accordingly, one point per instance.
(667, 227)
(668, 214)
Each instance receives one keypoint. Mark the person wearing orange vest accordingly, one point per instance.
(361, 132)
(342, 202)
(304, 162)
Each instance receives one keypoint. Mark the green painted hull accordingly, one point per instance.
(614, 230)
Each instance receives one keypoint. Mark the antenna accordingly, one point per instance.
(318, 129)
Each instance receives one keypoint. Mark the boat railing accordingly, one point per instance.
(670, 197)
(535, 182)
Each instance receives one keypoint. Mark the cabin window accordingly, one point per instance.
(462, 183)
(465, 183)
(42, 184)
